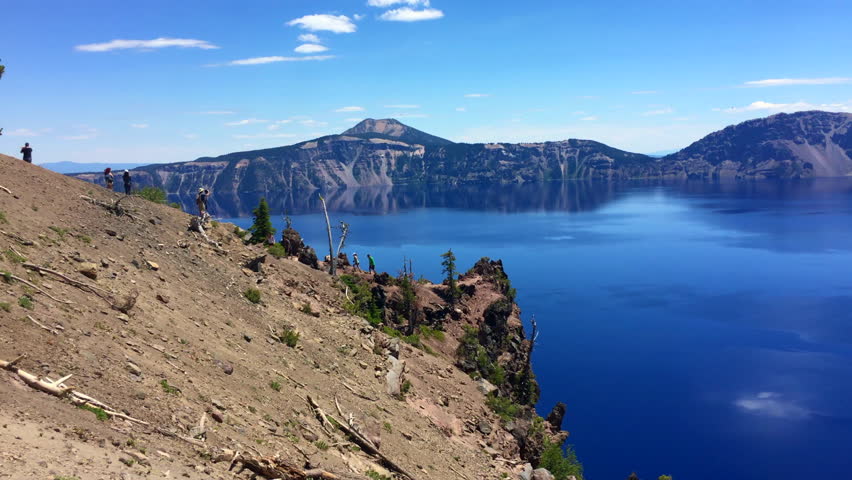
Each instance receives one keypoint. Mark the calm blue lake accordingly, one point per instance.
(698, 330)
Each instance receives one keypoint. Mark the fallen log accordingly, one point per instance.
(39, 290)
(277, 468)
(122, 305)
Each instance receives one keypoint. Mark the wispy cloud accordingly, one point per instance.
(350, 109)
(310, 48)
(590, 118)
(22, 132)
(313, 123)
(84, 136)
(217, 112)
(358, 17)
(402, 107)
(139, 125)
(772, 404)
(785, 82)
(406, 14)
(309, 38)
(276, 59)
(324, 22)
(787, 107)
(247, 121)
(644, 92)
(659, 111)
(477, 95)
(461, 109)
(145, 44)
(390, 3)
(265, 135)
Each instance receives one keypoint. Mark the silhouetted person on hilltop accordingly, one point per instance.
(27, 152)
(109, 179)
(127, 182)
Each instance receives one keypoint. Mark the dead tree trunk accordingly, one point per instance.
(332, 257)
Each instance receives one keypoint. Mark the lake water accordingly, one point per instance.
(693, 329)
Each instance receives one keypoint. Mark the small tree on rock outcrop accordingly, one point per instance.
(449, 264)
(261, 229)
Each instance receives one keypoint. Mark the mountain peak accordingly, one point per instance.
(394, 129)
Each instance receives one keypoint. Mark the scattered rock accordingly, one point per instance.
(89, 269)
(485, 386)
(556, 416)
(156, 221)
(218, 404)
(542, 474)
(395, 376)
(526, 472)
(225, 366)
(484, 427)
(247, 337)
(163, 298)
(218, 417)
(134, 369)
(111, 233)
(104, 263)
(152, 265)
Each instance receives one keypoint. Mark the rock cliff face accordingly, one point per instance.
(386, 152)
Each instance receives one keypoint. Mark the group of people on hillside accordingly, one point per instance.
(109, 180)
(357, 263)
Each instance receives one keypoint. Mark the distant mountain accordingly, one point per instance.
(387, 152)
(74, 167)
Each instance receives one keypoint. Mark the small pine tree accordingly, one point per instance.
(449, 264)
(261, 229)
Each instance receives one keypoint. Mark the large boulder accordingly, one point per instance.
(542, 474)
(294, 245)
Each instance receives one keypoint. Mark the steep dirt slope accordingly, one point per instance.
(194, 347)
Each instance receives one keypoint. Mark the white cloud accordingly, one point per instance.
(276, 59)
(402, 107)
(461, 109)
(309, 38)
(406, 14)
(772, 404)
(644, 92)
(323, 22)
(477, 95)
(591, 118)
(310, 48)
(139, 125)
(22, 132)
(350, 109)
(359, 17)
(388, 3)
(248, 121)
(313, 123)
(266, 135)
(787, 107)
(217, 112)
(283, 121)
(145, 44)
(785, 82)
(659, 111)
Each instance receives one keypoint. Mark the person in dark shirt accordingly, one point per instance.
(27, 151)
(201, 202)
(109, 179)
(127, 182)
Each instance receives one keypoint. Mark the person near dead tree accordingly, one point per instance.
(201, 202)
(355, 262)
(27, 152)
(372, 263)
(127, 182)
(109, 179)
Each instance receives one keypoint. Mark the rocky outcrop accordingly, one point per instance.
(295, 246)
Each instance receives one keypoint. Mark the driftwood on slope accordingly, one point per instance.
(115, 207)
(123, 305)
(276, 467)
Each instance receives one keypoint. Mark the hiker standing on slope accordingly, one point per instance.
(355, 262)
(127, 182)
(372, 263)
(27, 152)
(109, 179)
(201, 202)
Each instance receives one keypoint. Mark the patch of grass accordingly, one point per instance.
(277, 250)
(176, 206)
(153, 194)
(405, 388)
(85, 239)
(289, 337)
(14, 257)
(7, 276)
(99, 412)
(321, 445)
(374, 475)
(60, 232)
(25, 302)
(388, 427)
(275, 386)
(504, 407)
(214, 224)
(361, 300)
(5, 306)
(3, 217)
(306, 308)
(252, 295)
(240, 232)
(65, 477)
(429, 332)
(171, 390)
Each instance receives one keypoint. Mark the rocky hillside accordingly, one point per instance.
(133, 347)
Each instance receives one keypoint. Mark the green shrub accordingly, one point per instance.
(5, 306)
(3, 217)
(275, 386)
(664, 477)
(7, 277)
(388, 427)
(14, 257)
(290, 337)
(374, 475)
(321, 445)
(405, 387)
(176, 205)
(361, 300)
(171, 390)
(26, 302)
(240, 232)
(153, 194)
(429, 332)
(306, 309)
(277, 250)
(561, 464)
(99, 412)
(252, 295)
(85, 239)
(261, 229)
(60, 232)
(505, 408)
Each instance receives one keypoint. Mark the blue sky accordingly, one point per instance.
(195, 78)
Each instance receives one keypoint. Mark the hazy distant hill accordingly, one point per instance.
(387, 152)
(74, 167)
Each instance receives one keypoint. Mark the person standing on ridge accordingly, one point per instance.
(372, 263)
(127, 182)
(355, 262)
(109, 179)
(201, 202)
(27, 151)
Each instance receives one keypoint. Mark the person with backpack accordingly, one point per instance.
(355, 262)
(27, 152)
(109, 179)
(201, 202)
(372, 264)
(127, 182)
